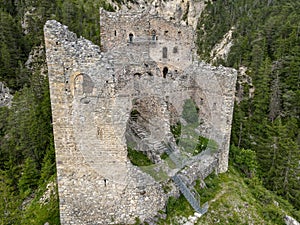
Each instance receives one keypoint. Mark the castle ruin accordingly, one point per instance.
(130, 92)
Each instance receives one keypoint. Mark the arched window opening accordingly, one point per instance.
(165, 72)
(130, 37)
(137, 75)
(153, 35)
(115, 33)
(165, 52)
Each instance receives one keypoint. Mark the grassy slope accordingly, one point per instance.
(234, 200)
(41, 210)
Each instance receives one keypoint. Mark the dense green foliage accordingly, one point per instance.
(266, 41)
(26, 148)
(138, 158)
(21, 28)
(245, 160)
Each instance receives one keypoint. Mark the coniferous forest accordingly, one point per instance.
(266, 42)
(265, 135)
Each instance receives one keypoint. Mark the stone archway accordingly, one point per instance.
(148, 123)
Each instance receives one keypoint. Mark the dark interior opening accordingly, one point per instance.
(130, 37)
(165, 72)
(153, 35)
(137, 75)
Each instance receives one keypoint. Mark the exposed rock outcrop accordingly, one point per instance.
(5, 96)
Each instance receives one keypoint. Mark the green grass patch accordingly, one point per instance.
(138, 158)
(176, 207)
(192, 143)
(213, 186)
(164, 156)
(233, 199)
(41, 212)
(176, 131)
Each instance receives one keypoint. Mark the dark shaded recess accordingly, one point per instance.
(165, 72)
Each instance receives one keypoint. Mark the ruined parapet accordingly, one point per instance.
(92, 96)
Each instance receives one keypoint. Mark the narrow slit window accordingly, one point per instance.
(165, 72)
(130, 37)
(153, 35)
(165, 52)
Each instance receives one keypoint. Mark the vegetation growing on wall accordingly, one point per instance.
(137, 158)
(176, 131)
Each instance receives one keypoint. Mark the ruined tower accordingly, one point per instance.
(130, 91)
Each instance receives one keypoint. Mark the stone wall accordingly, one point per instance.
(92, 95)
(165, 42)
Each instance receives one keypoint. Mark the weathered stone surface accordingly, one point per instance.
(5, 96)
(185, 12)
(146, 63)
(290, 220)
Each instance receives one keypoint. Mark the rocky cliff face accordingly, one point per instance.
(5, 96)
(185, 12)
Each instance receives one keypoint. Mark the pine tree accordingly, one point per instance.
(29, 178)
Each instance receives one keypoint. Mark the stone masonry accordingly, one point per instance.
(143, 61)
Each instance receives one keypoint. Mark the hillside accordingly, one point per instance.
(259, 38)
(233, 200)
